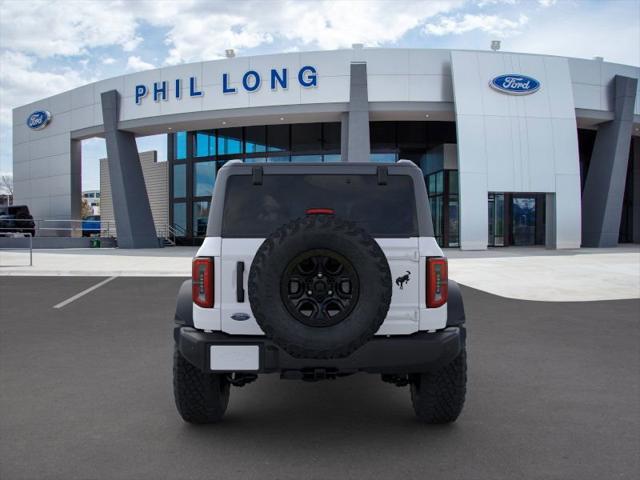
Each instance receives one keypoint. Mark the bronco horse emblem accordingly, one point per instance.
(400, 281)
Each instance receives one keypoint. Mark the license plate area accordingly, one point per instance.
(234, 358)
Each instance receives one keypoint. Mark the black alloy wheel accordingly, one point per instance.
(320, 288)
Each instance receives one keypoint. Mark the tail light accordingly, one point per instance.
(202, 282)
(320, 211)
(437, 282)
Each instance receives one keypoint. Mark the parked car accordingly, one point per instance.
(91, 225)
(17, 219)
(317, 272)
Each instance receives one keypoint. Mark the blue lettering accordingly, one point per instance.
(253, 86)
(141, 92)
(225, 84)
(178, 88)
(275, 77)
(310, 80)
(157, 90)
(192, 88)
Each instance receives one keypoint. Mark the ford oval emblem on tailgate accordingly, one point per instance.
(241, 317)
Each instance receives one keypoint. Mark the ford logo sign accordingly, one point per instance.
(38, 120)
(240, 317)
(515, 84)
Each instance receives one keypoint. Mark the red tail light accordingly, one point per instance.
(437, 282)
(202, 282)
(320, 211)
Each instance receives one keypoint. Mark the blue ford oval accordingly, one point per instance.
(38, 119)
(515, 84)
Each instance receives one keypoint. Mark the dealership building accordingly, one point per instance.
(516, 149)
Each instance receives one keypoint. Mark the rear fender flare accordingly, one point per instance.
(455, 306)
(184, 305)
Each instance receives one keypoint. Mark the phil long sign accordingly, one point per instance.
(515, 84)
(251, 81)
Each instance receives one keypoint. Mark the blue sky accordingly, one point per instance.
(47, 47)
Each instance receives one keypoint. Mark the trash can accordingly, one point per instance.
(94, 243)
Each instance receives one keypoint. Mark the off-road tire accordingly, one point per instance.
(438, 397)
(200, 397)
(339, 236)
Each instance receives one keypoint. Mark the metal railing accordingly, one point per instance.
(172, 232)
(57, 228)
(78, 228)
(16, 236)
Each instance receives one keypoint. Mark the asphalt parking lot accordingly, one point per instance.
(85, 393)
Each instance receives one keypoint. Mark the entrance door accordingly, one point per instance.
(496, 219)
(523, 214)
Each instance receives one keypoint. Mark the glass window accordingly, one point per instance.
(278, 138)
(180, 145)
(230, 141)
(306, 137)
(180, 216)
(204, 176)
(382, 210)
(282, 159)
(332, 158)
(453, 182)
(331, 136)
(200, 218)
(454, 228)
(440, 181)
(412, 135)
(383, 135)
(205, 144)
(255, 139)
(179, 181)
(255, 160)
(306, 158)
(383, 157)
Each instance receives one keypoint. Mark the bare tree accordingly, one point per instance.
(6, 184)
(86, 209)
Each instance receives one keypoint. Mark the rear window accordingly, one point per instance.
(257, 210)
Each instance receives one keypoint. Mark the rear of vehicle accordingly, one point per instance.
(91, 225)
(17, 219)
(318, 271)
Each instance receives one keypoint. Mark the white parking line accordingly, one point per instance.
(83, 293)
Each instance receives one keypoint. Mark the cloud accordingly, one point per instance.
(491, 24)
(21, 83)
(44, 29)
(203, 30)
(108, 61)
(135, 64)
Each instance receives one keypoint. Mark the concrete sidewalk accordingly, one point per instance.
(521, 273)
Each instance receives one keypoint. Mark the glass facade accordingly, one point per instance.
(442, 187)
(196, 157)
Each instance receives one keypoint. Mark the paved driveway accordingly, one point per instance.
(85, 392)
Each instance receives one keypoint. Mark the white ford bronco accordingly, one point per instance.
(319, 271)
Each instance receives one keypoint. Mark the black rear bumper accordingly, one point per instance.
(420, 352)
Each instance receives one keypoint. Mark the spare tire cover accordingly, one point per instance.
(320, 287)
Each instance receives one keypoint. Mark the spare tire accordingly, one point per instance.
(320, 287)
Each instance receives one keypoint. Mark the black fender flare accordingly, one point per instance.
(184, 305)
(455, 306)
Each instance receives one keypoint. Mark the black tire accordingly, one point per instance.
(438, 397)
(368, 268)
(200, 397)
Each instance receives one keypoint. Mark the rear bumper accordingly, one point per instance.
(420, 352)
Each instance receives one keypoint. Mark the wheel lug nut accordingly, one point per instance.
(309, 292)
(330, 292)
(320, 275)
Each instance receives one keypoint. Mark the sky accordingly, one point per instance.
(47, 47)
